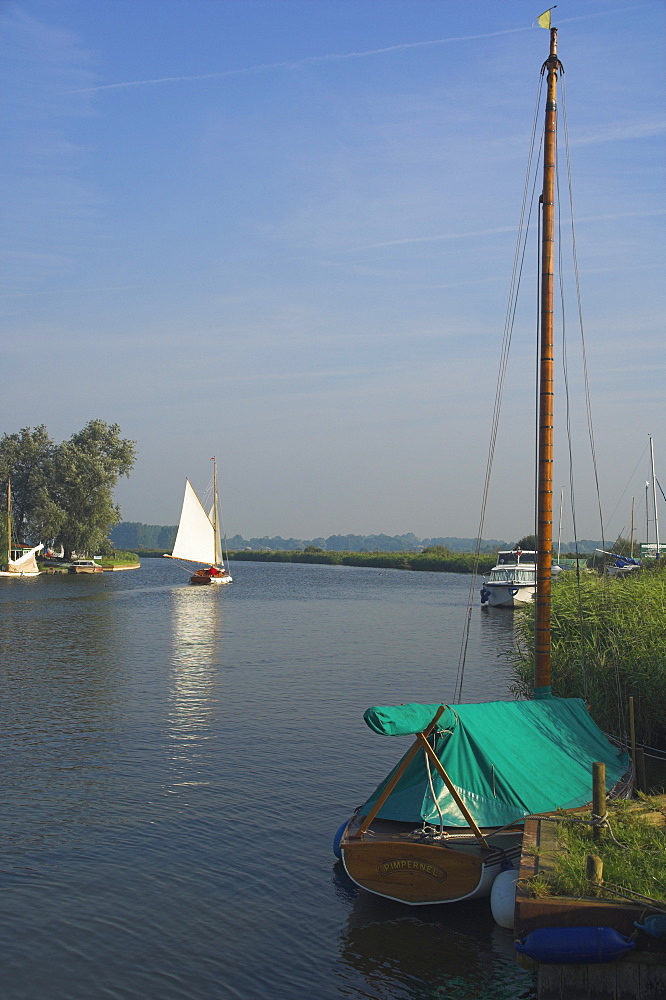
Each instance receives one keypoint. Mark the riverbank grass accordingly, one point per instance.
(120, 557)
(634, 857)
(608, 640)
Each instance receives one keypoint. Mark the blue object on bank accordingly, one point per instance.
(654, 926)
(559, 945)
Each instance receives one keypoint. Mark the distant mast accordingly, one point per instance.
(9, 520)
(216, 515)
(542, 672)
(654, 496)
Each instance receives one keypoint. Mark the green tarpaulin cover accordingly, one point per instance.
(507, 759)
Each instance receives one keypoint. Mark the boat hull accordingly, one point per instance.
(203, 579)
(424, 874)
(509, 595)
(18, 573)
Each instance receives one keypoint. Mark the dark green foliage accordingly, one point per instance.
(134, 535)
(28, 459)
(608, 643)
(373, 543)
(87, 468)
(64, 492)
(528, 543)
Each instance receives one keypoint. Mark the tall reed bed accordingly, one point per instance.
(608, 643)
(452, 562)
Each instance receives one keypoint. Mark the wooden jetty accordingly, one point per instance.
(639, 974)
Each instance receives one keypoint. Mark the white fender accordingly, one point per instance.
(503, 898)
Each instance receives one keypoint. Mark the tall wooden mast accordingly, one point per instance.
(546, 373)
(9, 520)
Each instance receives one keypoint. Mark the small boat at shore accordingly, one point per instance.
(199, 538)
(84, 566)
(21, 559)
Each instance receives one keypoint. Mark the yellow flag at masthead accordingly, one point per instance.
(543, 20)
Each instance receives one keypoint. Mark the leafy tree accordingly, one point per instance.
(27, 458)
(438, 551)
(622, 546)
(528, 543)
(87, 468)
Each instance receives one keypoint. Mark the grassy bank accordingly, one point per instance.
(608, 643)
(634, 858)
(120, 558)
(428, 561)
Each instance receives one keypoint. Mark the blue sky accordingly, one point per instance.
(282, 232)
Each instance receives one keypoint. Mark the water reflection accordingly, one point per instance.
(430, 952)
(196, 636)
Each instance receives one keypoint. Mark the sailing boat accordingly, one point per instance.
(21, 559)
(449, 816)
(198, 538)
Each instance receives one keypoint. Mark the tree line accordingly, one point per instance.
(63, 493)
(138, 536)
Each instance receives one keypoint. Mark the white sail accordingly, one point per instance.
(195, 540)
(213, 516)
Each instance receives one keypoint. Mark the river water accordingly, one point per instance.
(176, 760)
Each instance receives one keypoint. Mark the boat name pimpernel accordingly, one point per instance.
(412, 865)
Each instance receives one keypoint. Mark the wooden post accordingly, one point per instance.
(598, 796)
(632, 734)
(594, 871)
(452, 789)
(641, 780)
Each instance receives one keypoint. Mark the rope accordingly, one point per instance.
(434, 797)
(594, 821)
(654, 904)
(518, 261)
(588, 405)
(565, 371)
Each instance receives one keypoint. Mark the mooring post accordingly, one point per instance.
(632, 734)
(598, 798)
(594, 870)
(641, 780)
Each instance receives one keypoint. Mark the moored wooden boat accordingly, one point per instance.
(449, 817)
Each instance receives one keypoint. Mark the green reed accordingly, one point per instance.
(634, 857)
(427, 561)
(608, 638)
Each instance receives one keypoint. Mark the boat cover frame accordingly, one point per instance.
(507, 760)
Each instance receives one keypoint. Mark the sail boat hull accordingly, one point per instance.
(204, 577)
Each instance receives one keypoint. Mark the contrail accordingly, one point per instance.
(503, 229)
(262, 67)
(330, 57)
